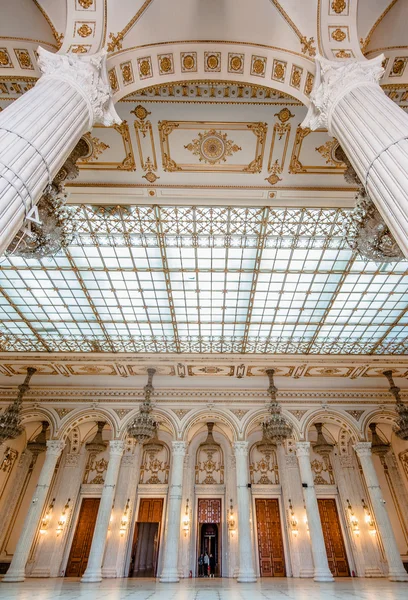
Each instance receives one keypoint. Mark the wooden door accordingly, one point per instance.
(333, 539)
(150, 510)
(145, 548)
(81, 544)
(270, 541)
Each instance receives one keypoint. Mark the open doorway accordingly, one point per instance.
(209, 531)
(145, 549)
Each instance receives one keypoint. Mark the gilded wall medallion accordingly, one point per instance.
(5, 60)
(398, 66)
(212, 62)
(85, 4)
(84, 30)
(188, 62)
(296, 76)
(279, 70)
(338, 35)
(258, 66)
(24, 59)
(127, 72)
(145, 67)
(113, 80)
(235, 63)
(165, 62)
(338, 6)
(309, 83)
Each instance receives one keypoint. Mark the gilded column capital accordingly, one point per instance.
(116, 447)
(333, 80)
(55, 447)
(241, 448)
(88, 74)
(179, 448)
(362, 449)
(303, 448)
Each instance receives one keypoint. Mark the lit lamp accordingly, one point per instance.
(293, 520)
(353, 519)
(125, 519)
(63, 518)
(368, 518)
(231, 518)
(186, 521)
(46, 518)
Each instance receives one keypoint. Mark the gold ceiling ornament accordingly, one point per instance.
(189, 61)
(212, 147)
(165, 63)
(343, 54)
(328, 152)
(98, 147)
(5, 60)
(79, 49)
(116, 42)
(24, 59)
(338, 6)
(258, 65)
(127, 72)
(309, 83)
(150, 175)
(398, 67)
(236, 63)
(307, 46)
(140, 112)
(274, 178)
(212, 61)
(279, 70)
(338, 35)
(84, 31)
(113, 80)
(86, 3)
(145, 67)
(296, 76)
(284, 115)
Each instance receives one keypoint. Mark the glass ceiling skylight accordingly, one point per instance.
(205, 279)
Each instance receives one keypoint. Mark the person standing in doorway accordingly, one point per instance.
(201, 565)
(212, 565)
(206, 564)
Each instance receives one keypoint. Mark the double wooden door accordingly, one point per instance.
(270, 541)
(81, 544)
(145, 549)
(333, 539)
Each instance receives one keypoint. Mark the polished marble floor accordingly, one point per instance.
(197, 589)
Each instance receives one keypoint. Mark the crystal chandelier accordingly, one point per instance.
(39, 443)
(277, 428)
(10, 419)
(143, 427)
(97, 445)
(265, 446)
(378, 446)
(401, 423)
(322, 446)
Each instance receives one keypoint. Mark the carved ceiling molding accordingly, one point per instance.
(337, 30)
(85, 31)
(141, 67)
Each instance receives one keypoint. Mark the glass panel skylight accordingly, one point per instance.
(205, 279)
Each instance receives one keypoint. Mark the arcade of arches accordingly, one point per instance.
(203, 294)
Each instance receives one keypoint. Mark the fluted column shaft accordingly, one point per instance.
(170, 572)
(16, 570)
(39, 130)
(371, 129)
(321, 565)
(93, 571)
(396, 571)
(246, 572)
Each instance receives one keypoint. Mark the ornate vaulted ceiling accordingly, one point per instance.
(209, 221)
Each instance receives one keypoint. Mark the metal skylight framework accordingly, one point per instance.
(205, 279)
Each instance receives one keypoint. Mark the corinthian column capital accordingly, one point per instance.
(116, 447)
(55, 447)
(88, 75)
(302, 448)
(363, 448)
(241, 448)
(333, 80)
(179, 448)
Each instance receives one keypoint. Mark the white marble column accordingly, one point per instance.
(396, 571)
(321, 565)
(372, 130)
(16, 572)
(246, 573)
(39, 130)
(93, 571)
(170, 573)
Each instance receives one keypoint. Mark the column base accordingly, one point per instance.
(169, 576)
(323, 576)
(398, 577)
(246, 577)
(306, 573)
(14, 576)
(92, 576)
(371, 572)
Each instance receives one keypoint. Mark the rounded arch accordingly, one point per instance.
(206, 414)
(74, 419)
(253, 421)
(333, 416)
(157, 413)
(378, 415)
(141, 67)
(41, 414)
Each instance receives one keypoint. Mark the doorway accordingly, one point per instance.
(333, 538)
(270, 540)
(209, 530)
(145, 549)
(81, 544)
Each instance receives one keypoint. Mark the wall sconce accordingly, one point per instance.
(368, 518)
(231, 518)
(353, 519)
(63, 518)
(186, 520)
(125, 519)
(293, 522)
(46, 518)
